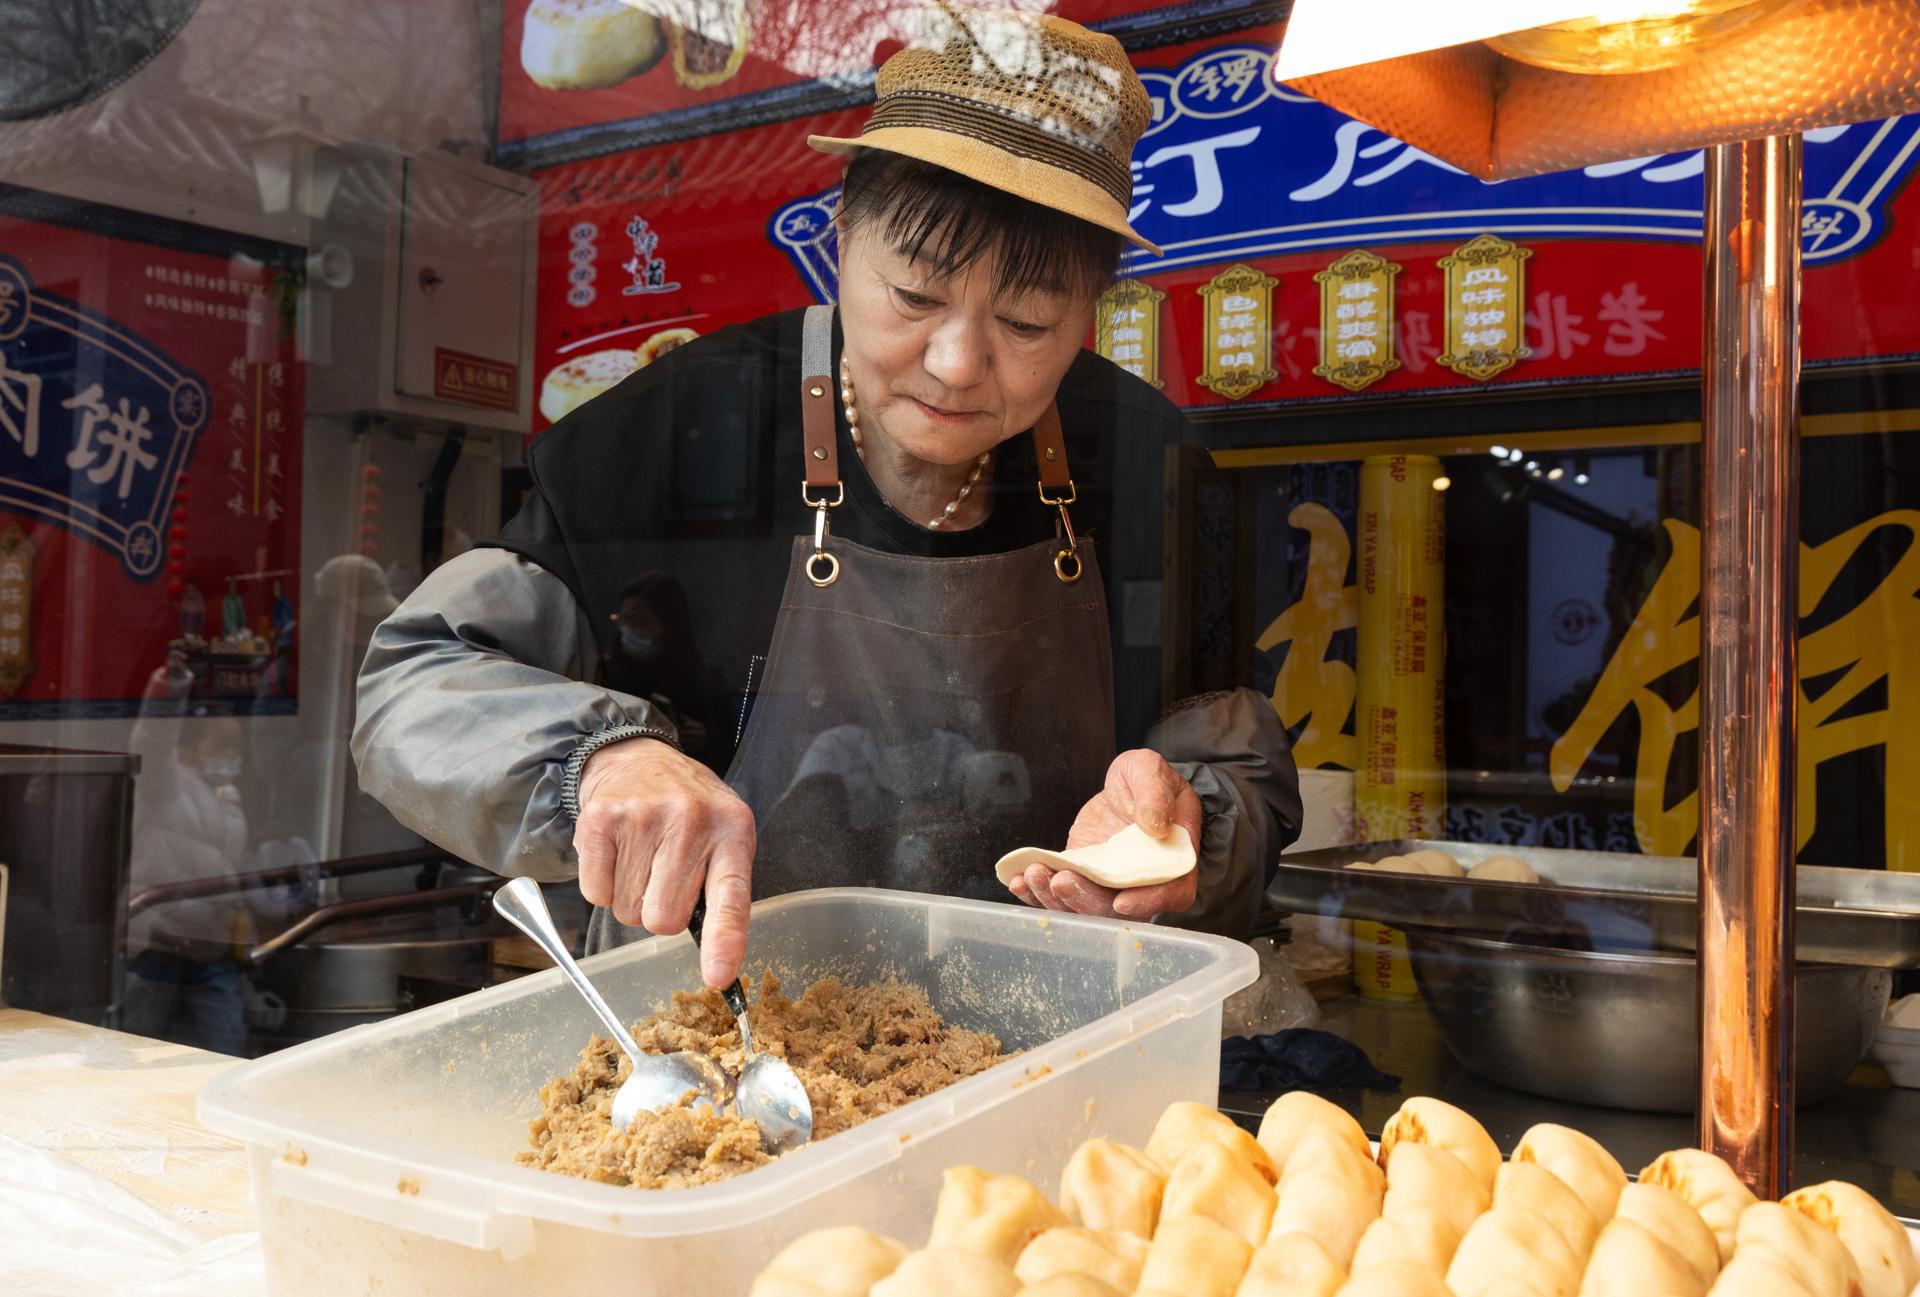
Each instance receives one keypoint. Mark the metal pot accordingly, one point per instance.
(1620, 1030)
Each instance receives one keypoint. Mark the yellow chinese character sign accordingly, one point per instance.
(16, 609)
(1486, 286)
(1237, 315)
(1356, 321)
(1127, 329)
(1312, 686)
(1867, 658)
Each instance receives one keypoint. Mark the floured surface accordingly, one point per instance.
(1130, 858)
(859, 1051)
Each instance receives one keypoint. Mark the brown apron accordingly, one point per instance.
(922, 716)
(919, 717)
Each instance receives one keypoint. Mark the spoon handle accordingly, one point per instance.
(735, 997)
(521, 904)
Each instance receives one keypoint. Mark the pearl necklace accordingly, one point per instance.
(859, 448)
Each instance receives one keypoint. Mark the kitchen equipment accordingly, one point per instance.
(385, 1153)
(1619, 1030)
(655, 1080)
(767, 1090)
(1599, 900)
(419, 931)
(66, 825)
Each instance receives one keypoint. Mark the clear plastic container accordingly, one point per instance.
(382, 1157)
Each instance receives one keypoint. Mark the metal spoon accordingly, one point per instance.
(656, 1080)
(768, 1090)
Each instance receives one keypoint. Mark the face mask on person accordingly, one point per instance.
(222, 770)
(639, 644)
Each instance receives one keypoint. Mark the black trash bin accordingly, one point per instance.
(66, 826)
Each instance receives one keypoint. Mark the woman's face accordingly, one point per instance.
(946, 369)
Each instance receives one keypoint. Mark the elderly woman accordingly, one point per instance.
(914, 621)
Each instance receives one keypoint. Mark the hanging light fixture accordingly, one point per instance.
(1507, 88)
(296, 166)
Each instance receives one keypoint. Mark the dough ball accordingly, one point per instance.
(1708, 1185)
(1509, 1243)
(1628, 1261)
(1195, 1257)
(843, 1261)
(1579, 1161)
(1421, 1238)
(1757, 1276)
(1109, 1186)
(1295, 1113)
(1666, 1215)
(1210, 1181)
(1400, 1279)
(1333, 1203)
(939, 1272)
(1533, 1188)
(1292, 1265)
(1185, 1124)
(1879, 1244)
(1503, 869)
(1324, 1150)
(1112, 1258)
(1073, 1285)
(1436, 862)
(1398, 865)
(1429, 1121)
(989, 1215)
(1425, 1179)
(1810, 1253)
(586, 44)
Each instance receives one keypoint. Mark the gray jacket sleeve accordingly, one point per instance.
(470, 703)
(1233, 749)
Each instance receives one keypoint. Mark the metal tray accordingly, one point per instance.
(1599, 901)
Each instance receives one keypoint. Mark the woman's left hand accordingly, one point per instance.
(1141, 789)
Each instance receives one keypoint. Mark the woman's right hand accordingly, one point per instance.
(655, 828)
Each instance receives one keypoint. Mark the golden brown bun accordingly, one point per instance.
(1879, 1245)
(1112, 1258)
(1292, 1265)
(1429, 1121)
(843, 1261)
(994, 1216)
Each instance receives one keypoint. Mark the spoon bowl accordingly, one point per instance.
(654, 1081)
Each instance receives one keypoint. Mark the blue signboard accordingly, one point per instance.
(1234, 166)
(95, 423)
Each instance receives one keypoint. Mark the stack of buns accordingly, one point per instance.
(1307, 1209)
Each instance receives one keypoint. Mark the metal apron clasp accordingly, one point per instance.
(823, 569)
(1066, 563)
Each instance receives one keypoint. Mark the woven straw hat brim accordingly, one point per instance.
(1037, 182)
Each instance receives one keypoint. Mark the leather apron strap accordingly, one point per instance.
(822, 488)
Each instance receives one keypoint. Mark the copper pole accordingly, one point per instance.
(1750, 529)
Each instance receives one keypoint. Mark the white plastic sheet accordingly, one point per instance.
(65, 1230)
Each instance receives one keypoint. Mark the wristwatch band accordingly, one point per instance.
(577, 759)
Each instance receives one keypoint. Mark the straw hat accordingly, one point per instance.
(1033, 105)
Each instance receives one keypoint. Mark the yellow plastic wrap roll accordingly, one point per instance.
(1400, 790)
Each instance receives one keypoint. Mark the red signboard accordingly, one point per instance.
(150, 452)
(685, 238)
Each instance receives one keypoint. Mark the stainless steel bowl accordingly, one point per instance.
(1619, 1030)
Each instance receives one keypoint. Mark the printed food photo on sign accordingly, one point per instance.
(581, 75)
(150, 451)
